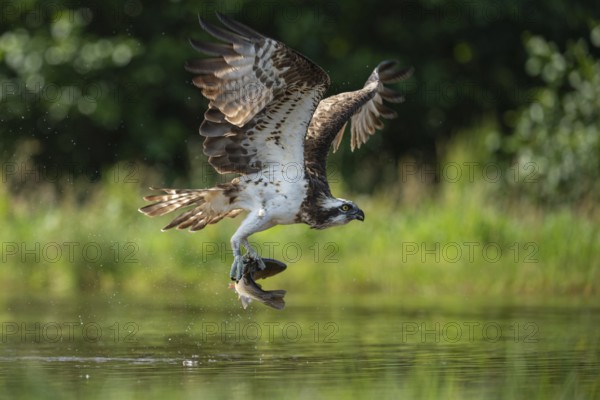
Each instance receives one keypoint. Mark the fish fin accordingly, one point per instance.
(245, 301)
(277, 304)
(274, 298)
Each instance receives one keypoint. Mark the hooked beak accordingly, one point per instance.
(359, 215)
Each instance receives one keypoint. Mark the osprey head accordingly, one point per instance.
(333, 212)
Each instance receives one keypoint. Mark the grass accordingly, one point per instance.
(460, 239)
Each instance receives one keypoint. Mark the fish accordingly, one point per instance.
(248, 290)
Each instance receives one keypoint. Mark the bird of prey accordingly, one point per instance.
(267, 122)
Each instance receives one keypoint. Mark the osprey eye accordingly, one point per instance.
(345, 207)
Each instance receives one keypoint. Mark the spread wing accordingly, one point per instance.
(364, 108)
(262, 96)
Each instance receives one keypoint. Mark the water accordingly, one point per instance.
(140, 347)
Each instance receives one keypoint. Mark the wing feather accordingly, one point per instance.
(238, 27)
(369, 117)
(223, 34)
(213, 49)
(262, 97)
(363, 108)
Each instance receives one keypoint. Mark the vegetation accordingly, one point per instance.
(460, 237)
(556, 143)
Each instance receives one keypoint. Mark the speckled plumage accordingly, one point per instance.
(266, 121)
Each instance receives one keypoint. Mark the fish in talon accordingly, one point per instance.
(248, 290)
(272, 267)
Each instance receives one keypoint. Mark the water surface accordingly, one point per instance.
(128, 347)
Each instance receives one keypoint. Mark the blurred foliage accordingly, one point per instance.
(467, 241)
(556, 144)
(95, 83)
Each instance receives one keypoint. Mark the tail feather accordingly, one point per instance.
(174, 199)
(211, 206)
(183, 218)
(166, 206)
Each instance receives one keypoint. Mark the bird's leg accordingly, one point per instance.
(237, 268)
(252, 255)
(254, 222)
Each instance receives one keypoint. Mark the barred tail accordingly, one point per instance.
(210, 206)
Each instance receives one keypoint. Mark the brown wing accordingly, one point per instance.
(364, 108)
(368, 118)
(262, 96)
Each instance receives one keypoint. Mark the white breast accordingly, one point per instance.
(276, 192)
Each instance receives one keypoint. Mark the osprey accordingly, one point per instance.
(266, 122)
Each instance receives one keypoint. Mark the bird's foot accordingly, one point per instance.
(237, 268)
(250, 262)
(253, 258)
